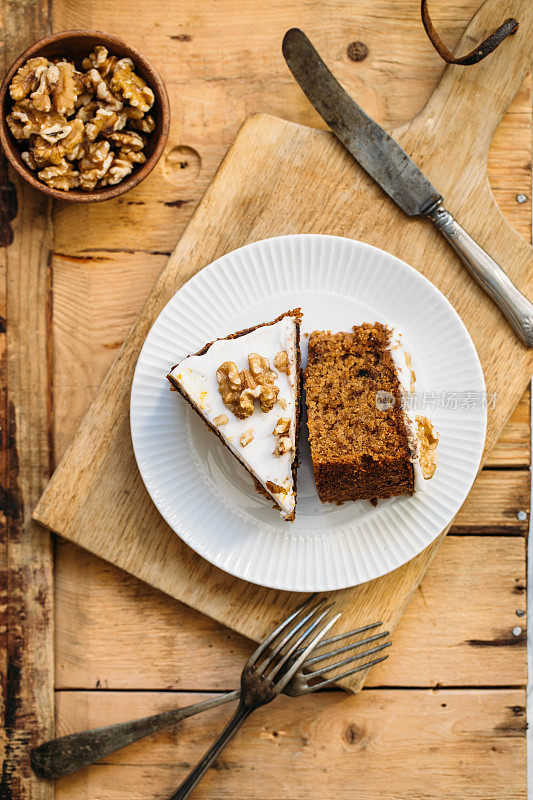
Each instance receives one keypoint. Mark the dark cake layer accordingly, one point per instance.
(359, 448)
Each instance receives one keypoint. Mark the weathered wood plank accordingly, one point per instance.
(26, 583)
(97, 298)
(211, 96)
(394, 744)
(497, 502)
(513, 448)
(457, 629)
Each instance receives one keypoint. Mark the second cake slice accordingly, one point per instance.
(364, 443)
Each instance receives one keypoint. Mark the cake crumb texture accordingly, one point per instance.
(359, 446)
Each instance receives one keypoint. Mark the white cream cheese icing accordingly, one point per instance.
(197, 379)
(406, 378)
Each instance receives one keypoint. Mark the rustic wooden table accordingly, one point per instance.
(443, 718)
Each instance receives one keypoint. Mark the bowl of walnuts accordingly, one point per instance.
(85, 117)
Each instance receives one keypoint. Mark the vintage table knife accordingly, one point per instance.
(399, 177)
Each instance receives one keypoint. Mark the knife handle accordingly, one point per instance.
(490, 276)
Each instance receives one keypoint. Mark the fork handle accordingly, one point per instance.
(212, 754)
(68, 754)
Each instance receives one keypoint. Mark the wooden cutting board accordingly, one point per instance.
(282, 178)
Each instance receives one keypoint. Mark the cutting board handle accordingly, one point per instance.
(480, 93)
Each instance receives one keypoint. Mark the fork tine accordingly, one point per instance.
(270, 638)
(340, 636)
(345, 649)
(294, 644)
(297, 663)
(277, 650)
(349, 660)
(337, 678)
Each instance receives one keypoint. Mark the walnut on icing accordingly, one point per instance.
(281, 362)
(247, 437)
(239, 389)
(282, 432)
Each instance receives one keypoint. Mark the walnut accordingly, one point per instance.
(46, 152)
(281, 362)
(220, 420)
(103, 124)
(101, 60)
(133, 113)
(144, 124)
(95, 164)
(282, 447)
(428, 439)
(84, 99)
(121, 166)
(284, 441)
(25, 120)
(87, 112)
(130, 86)
(263, 375)
(60, 176)
(67, 89)
(56, 132)
(260, 368)
(59, 87)
(132, 156)
(282, 426)
(78, 152)
(95, 82)
(128, 141)
(247, 437)
(239, 389)
(27, 78)
(16, 128)
(230, 387)
(41, 96)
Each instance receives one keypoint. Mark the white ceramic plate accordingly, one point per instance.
(208, 498)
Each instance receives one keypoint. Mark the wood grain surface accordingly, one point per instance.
(26, 584)
(96, 497)
(221, 61)
(395, 744)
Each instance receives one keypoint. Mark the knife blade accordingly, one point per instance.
(369, 144)
(392, 169)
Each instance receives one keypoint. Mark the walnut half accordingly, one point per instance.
(61, 176)
(47, 152)
(239, 389)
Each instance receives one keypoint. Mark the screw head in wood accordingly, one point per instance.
(357, 51)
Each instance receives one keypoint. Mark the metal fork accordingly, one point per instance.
(67, 754)
(266, 674)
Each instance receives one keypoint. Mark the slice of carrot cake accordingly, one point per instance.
(246, 388)
(365, 442)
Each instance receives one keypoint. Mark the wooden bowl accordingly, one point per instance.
(75, 46)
